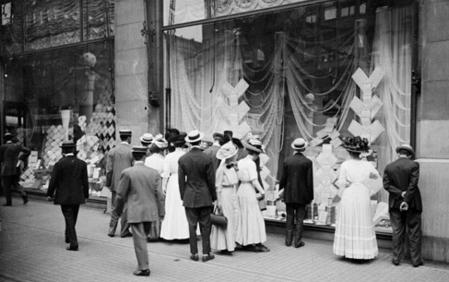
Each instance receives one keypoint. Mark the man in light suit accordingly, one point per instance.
(196, 177)
(13, 157)
(297, 182)
(140, 188)
(70, 187)
(118, 159)
(212, 150)
(405, 205)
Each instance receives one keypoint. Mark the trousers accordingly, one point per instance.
(140, 233)
(202, 216)
(70, 213)
(10, 183)
(296, 214)
(119, 210)
(407, 223)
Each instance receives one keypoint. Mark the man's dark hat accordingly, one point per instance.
(125, 132)
(69, 145)
(139, 149)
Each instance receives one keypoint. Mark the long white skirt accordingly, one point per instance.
(224, 238)
(174, 225)
(251, 228)
(354, 233)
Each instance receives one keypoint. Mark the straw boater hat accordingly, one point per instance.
(227, 151)
(406, 147)
(146, 139)
(125, 132)
(194, 136)
(299, 144)
(253, 145)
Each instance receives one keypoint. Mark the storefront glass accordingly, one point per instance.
(321, 72)
(58, 65)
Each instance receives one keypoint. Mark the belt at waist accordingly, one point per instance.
(245, 182)
(228, 186)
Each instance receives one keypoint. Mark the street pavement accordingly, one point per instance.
(32, 248)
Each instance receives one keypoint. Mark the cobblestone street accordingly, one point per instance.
(32, 249)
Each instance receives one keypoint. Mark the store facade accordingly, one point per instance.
(57, 79)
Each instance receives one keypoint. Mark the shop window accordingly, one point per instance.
(302, 86)
(6, 13)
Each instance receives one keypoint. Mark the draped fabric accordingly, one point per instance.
(199, 68)
(392, 46)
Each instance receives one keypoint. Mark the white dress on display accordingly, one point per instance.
(354, 232)
(175, 225)
(251, 226)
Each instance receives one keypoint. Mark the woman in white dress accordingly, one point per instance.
(251, 228)
(226, 181)
(175, 225)
(354, 233)
(156, 161)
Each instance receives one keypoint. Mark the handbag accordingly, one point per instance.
(218, 219)
(261, 201)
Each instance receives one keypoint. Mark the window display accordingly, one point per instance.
(320, 72)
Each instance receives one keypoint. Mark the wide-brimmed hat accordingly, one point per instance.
(194, 136)
(356, 144)
(139, 150)
(125, 132)
(227, 151)
(253, 145)
(406, 147)
(160, 142)
(146, 139)
(299, 144)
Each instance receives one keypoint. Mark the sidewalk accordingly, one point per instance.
(32, 249)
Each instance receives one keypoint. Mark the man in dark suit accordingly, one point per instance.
(140, 188)
(13, 157)
(405, 206)
(70, 187)
(297, 182)
(196, 178)
(118, 159)
(212, 150)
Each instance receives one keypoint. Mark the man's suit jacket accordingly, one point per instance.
(196, 177)
(140, 187)
(10, 154)
(212, 153)
(297, 180)
(69, 184)
(119, 158)
(399, 176)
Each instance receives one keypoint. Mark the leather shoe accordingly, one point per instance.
(395, 261)
(299, 244)
(194, 257)
(7, 205)
(145, 272)
(418, 264)
(129, 234)
(207, 257)
(72, 248)
(25, 199)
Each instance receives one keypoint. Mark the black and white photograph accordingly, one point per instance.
(224, 140)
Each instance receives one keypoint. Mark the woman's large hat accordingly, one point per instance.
(356, 144)
(160, 142)
(299, 144)
(227, 151)
(407, 148)
(194, 136)
(253, 144)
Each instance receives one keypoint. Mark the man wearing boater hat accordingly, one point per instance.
(212, 150)
(119, 158)
(405, 206)
(196, 177)
(140, 188)
(69, 186)
(297, 182)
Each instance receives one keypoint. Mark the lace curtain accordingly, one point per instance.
(392, 51)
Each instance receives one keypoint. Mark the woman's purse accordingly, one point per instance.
(218, 219)
(261, 201)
